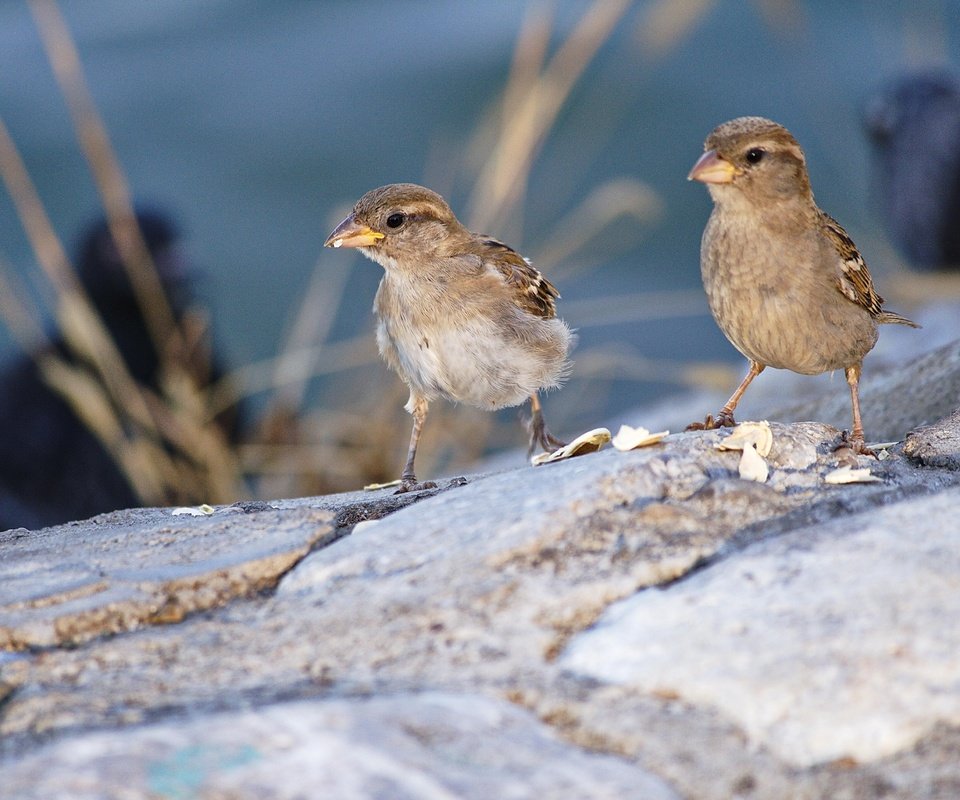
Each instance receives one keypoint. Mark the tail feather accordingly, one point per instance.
(892, 317)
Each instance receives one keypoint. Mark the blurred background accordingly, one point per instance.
(565, 128)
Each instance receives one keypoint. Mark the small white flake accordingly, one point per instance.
(746, 433)
(850, 475)
(372, 487)
(194, 511)
(755, 440)
(588, 442)
(752, 466)
(629, 438)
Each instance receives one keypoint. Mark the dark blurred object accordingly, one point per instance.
(914, 123)
(52, 468)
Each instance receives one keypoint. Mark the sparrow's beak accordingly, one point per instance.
(351, 233)
(711, 168)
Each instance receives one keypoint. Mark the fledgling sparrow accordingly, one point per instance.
(459, 315)
(785, 282)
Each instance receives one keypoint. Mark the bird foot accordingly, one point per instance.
(722, 420)
(850, 447)
(540, 435)
(411, 484)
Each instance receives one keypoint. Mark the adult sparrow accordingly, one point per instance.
(785, 282)
(459, 315)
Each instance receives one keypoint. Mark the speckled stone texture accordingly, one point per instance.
(644, 619)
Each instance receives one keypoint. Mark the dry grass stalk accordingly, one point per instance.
(81, 324)
(20, 318)
(166, 446)
(86, 396)
(607, 203)
(531, 102)
(666, 22)
(308, 334)
(294, 365)
(108, 176)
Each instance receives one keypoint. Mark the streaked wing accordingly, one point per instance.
(532, 292)
(854, 279)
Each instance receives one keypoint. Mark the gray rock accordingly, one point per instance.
(479, 594)
(824, 644)
(69, 584)
(936, 445)
(895, 400)
(430, 745)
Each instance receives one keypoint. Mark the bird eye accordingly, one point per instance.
(754, 155)
(396, 220)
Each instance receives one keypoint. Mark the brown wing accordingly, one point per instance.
(854, 280)
(532, 292)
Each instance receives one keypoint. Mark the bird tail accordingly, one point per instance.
(892, 317)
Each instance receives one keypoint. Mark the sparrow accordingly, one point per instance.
(460, 316)
(784, 281)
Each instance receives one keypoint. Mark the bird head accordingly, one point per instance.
(755, 158)
(398, 222)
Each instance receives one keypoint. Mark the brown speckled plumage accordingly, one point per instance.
(460, 316)
(785, 282)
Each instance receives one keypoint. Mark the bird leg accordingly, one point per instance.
(537, 427)
(724, 418)
(417, 406)
(854, 441)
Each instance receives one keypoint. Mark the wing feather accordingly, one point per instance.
(854, 279)
(532, 291)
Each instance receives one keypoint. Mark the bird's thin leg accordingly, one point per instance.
(724, 418)
(855, 440)
(537, 426)
(417, 406)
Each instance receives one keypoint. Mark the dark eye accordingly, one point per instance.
(396, 220)
(754, 155)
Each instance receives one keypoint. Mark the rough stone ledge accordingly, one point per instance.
(379, 747)
(493, 589)
(808, 642)
(67, 585)
(936, 445)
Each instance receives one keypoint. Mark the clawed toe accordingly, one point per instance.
(852, 446)
(541, 437)
(546, 441)
(722, 420)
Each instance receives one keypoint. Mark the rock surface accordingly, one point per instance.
(66, 585)
(860, 670)
(642, 624)
(936, 445)
(897, 394)
(428, 745)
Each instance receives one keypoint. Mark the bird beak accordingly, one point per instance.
(351, 233)
(712, 168)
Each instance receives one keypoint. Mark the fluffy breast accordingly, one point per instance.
(485, 354)
(774, 298)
